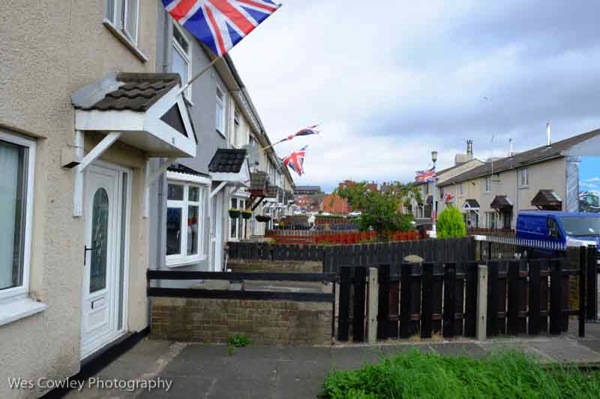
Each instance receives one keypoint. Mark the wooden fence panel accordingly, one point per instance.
(556, 289)
(405, 298)
(358, 315)
(344, 306)
(449, 300)
(471, 282)
(427, 301)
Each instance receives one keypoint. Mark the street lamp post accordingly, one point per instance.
(434, 156)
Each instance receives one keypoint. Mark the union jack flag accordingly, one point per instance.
(295, 161)
(304, 132)
(220, 24)
(424, 176)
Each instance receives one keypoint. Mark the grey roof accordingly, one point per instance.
(125, 92)
(227, 161)
(536, 155)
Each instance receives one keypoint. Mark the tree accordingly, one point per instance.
(450, 224)
(379, 208)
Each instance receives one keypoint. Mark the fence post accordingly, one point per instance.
(582, 294)
(482, 285)
(373, 306)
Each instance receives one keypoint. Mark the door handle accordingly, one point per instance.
(85, 250)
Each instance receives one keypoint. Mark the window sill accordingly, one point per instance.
(523, 187)
(13, 310)
(185, 262)
(125, 40)
(221, 134)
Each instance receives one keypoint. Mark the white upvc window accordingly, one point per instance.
(220, 112)
(181, 58)
(17, 165)
(237, 226)
(488, 184)
(491, 220)
(523, 178)
(236, 136)
(124, 17)
(186, 204)
(461, 189)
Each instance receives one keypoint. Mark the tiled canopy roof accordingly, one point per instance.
(501, 202)
(135, 92)
(227, 161)
(546, 198)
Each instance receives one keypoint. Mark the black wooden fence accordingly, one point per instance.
(450, 250)
(274, 252)
(459, 249)
(524, 297)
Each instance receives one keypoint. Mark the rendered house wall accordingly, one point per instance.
(49, 50)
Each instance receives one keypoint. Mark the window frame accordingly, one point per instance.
(220, 104)
(523, 172)
(117, 25)
(187, 57)
(203, 184)
(488, 184)
(240, 222)
(22, 291)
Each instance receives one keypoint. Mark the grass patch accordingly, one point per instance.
(428, 375)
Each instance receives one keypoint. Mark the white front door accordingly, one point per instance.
(104, 274)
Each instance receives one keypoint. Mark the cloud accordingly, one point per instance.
(389, 84)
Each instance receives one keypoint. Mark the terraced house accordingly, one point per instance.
(545, 177)
(105, 169)
(191, 199)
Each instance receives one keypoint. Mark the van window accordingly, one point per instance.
(581, 226)
(553, 230)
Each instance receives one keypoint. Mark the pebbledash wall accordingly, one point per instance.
(264, 322)
(49, 50)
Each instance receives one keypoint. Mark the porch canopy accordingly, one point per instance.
(471, 205)
(144, 110)
(229, 167)
(501, 203)
(547, 200)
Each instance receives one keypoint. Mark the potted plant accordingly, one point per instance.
(246, 214)
(234, 213)
(263, 218)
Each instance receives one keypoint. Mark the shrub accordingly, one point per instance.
(450, 224)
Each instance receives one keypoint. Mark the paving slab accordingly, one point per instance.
(209, 371)
(567, 351)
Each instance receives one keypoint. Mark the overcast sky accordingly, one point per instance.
(392, 80)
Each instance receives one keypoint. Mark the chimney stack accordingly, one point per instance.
(469, 150)
(510, 150)
(548, 134)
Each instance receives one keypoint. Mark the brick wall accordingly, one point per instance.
(264, 322)
(274, 266)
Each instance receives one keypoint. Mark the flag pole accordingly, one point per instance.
(206, 68)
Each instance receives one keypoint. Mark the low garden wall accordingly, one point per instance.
(240, 265)
(265, 322)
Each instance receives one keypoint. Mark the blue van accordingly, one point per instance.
(563, 228)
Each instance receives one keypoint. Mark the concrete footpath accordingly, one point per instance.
(209, 371)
